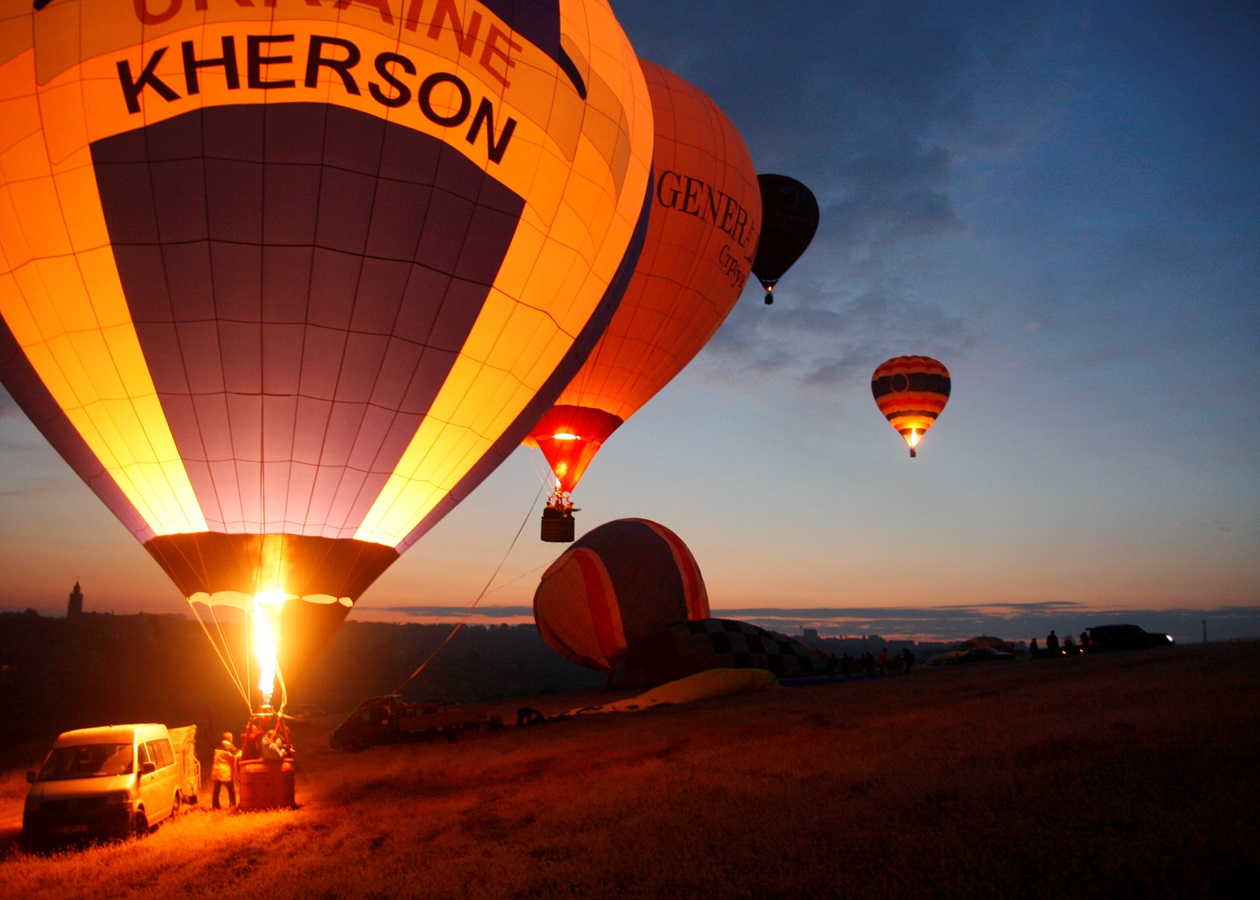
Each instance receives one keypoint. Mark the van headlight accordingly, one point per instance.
(117, 798)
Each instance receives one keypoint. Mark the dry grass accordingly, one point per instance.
(1121, 775)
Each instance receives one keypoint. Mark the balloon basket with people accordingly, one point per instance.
(267, 768)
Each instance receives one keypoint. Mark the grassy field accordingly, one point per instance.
(1130, 775)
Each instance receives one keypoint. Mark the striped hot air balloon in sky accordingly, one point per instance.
(911, 391)
(702, 234)
(618, 584)
(283, 282)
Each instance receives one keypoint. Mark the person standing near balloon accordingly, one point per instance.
(223, 771)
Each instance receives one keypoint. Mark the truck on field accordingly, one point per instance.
(390, 718)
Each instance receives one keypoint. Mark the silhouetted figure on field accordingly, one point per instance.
(1069, 646)
(883, 659)
(907, 659)
(846, 665)
(1052, 643)
(1033, 650)
(868, 663)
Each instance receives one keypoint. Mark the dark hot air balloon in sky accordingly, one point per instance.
(705, 218)
(284, 282)
(911, 391)
(789, 218)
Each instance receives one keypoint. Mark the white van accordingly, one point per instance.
(103, 783)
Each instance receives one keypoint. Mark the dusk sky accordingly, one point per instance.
(1061, 202)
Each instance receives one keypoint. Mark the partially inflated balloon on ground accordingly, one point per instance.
(702, 233)
(284, 282)
(620, 583)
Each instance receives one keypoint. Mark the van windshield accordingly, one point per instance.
(87, 761)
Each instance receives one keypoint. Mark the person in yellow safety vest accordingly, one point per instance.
(223, 772)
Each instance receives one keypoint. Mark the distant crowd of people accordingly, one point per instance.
(1055, 647)
(265, 738)
(868, 664)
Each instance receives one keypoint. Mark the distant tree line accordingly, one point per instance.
(96, 669)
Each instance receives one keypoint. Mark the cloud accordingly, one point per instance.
(873, 107)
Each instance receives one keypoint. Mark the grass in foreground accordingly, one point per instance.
(1125, 774)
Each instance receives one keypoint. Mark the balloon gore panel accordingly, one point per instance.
(207, 257)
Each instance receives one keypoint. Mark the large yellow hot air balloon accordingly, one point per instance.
(283, 282)
(701, 238)
(911, 391)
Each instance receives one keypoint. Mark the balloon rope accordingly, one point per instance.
(228, 664)
(480, 596)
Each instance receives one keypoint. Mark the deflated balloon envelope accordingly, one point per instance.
(618, 584)
(685, 648)
(701, 236)
(283, 283)
(789, 218)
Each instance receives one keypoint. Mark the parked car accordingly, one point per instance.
(1123, 637)
(108, 782)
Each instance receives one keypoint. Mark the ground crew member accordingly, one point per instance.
(223, 771)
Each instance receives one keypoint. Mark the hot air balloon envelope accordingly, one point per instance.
(699, 645)
(789, 218)
(284, 282)
(701, 236)
(621, 582)
(911, 391)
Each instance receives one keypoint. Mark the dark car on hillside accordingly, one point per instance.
(1122, 637)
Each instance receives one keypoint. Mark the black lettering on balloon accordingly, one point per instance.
(254, 60)
(227, 61)
(315, 60)
(392, 91)
(131, 87)
(401, 93)
(426, 99)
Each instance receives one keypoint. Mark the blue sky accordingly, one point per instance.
(1059, 201)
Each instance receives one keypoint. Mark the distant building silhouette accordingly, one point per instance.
(75, 608)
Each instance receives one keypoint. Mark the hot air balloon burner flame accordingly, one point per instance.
(266, 621)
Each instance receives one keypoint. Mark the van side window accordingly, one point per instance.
(143, 754)
(165, 755)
